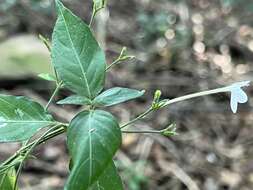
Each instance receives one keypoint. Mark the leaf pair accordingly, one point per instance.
(81, 64)
(107, 98)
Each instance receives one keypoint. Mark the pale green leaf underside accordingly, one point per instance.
(21, 118)
(109, 180)
(47, 76)
(116, 95)
(93, 137)
(7, 179)
(76, 55)
(76, 100)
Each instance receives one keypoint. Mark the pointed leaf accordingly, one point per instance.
(21, 118)
(47, 76)
(109, 180)
(116, 95)
(76, 100)
(93, 137)
(76, 55)
(7, 179)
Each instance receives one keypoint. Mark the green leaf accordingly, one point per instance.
(48, 77)
(109, 180)
(21, 118)
(76, 55)
(116, 95)
(7, 179)
(76, 100)
(93, 137)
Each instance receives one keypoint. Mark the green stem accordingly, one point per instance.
(14, 159)
(175, 100)
(121, 57)
(141, 116)
(195, 95)
(142, 131)
(92, 16)
(45, 41)
(58, 87)
(48, 45)
(113, 63)
(94, 12)
(28, 152)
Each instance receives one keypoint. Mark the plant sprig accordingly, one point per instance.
(94, 135)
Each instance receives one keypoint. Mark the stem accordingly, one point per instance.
(59, 85)
(45, 41)
(28, 152)
(92, 16)
(48, 45)
(113, 63)
(141, 116)
(19, 169)
(175, 100)
(56, 76)
(94, 12)
(59, 130)
(194, 95)
(121, 57)
(142, 131)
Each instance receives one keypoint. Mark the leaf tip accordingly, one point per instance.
(59, 5)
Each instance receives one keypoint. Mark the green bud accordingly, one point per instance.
(156, 100)
(170, 130)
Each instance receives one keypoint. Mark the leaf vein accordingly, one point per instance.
(76, 55)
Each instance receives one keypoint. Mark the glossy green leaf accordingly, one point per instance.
(76, 55)
(76, 100)
(109, 180)
(48, 77)
(7, 179)
(21, 118)
(93, 137)
(116, 95)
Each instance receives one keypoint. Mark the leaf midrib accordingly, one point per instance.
(90, 148)
(76, 55)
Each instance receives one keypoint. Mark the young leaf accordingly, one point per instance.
(76, 100)
(76, 55)
(93, 137)
(116, 95)
(48, 77)
(7, 179)
(21, 118)
(109, 180)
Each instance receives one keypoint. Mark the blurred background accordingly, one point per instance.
(181, 47)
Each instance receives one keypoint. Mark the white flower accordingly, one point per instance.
(237, 94)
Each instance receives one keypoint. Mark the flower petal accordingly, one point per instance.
(240, 95)
(233, 102)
